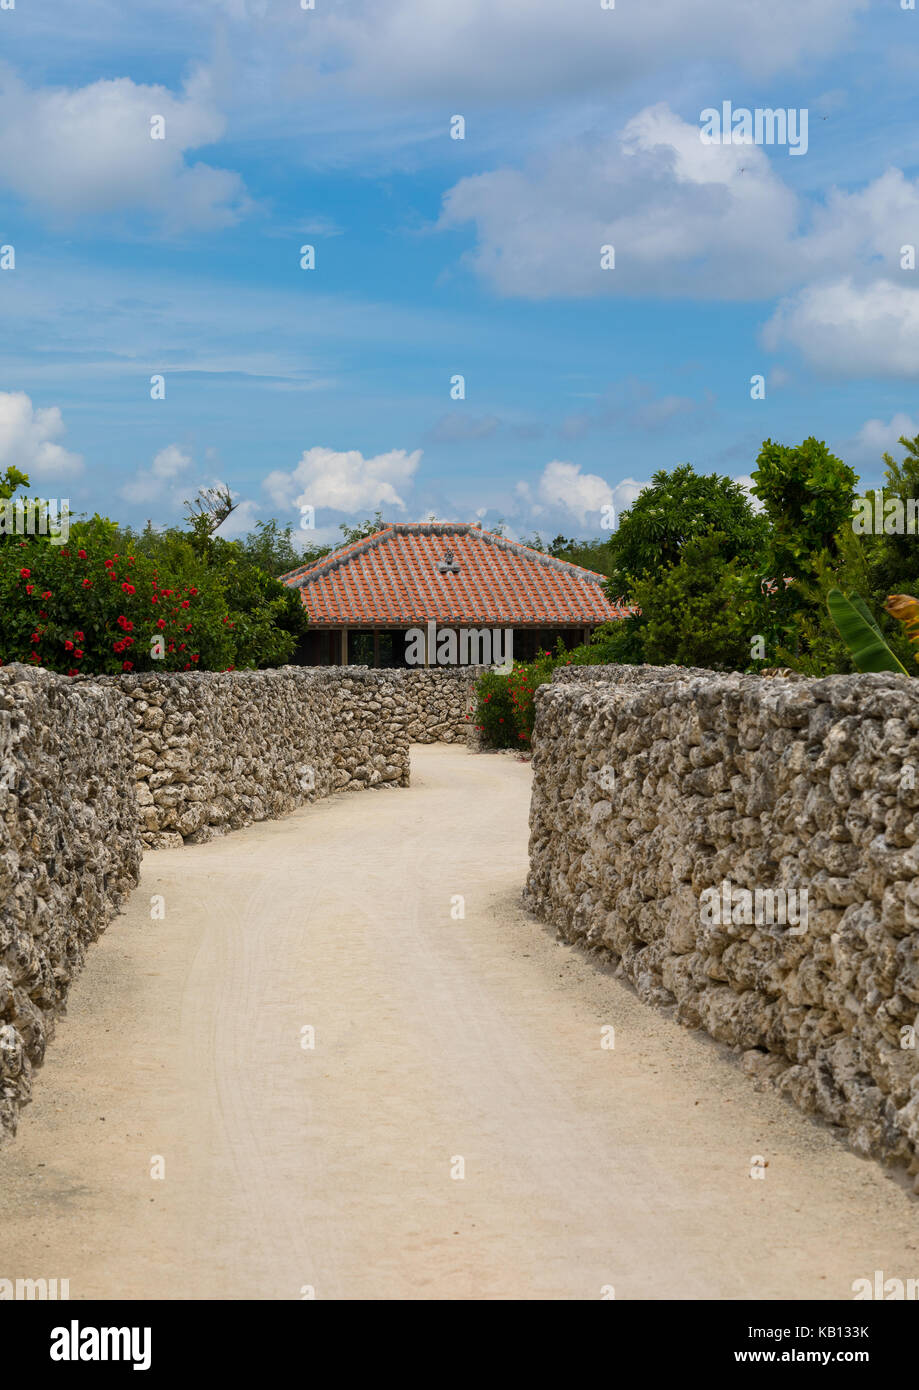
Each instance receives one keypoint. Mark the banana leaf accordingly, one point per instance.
(860, 606)
(861, 635)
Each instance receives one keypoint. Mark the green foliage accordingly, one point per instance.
(861, 634)
(590, 555)
(369, 527)
(693, 610)
(98, 603)
(89, 607)
(678, 507)
(206, 513)
(494, 713)
(274, 551)
(504, 704)
(807, 495)
(893, 559)
(612, 644)
(10, 482)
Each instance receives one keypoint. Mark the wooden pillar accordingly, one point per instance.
(376, 648)
(344, 646)
(587, 634)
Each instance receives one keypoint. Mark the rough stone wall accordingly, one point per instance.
(651, 790)
(69, 852)
(95, 769)
(216, 751)
(438, 702)
(622, 675)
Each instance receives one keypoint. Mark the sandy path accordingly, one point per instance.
(435, 1039)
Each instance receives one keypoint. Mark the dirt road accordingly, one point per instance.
(444, 1045)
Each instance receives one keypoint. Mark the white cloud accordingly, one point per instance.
(345, 481)
(563, 494)
(73, 152)
(28, 438)
(684, 218)
(147, 485)
(850, 329)
(878, 437)
(170, 461)
(563, 485)
(500, 49)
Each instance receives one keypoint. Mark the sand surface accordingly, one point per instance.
(437, 1039)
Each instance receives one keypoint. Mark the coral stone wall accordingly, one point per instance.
(69, 852)
(214, 752)
(437, 702)
(95, 769)
(655, 788)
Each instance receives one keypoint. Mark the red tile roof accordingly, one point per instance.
(391, 579)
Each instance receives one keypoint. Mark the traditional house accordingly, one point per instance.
(395, 598)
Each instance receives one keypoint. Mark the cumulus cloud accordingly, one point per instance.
(584, 495)
(88, 151)
(147, 485)
(850, 329)
(684, 218)
(566, 498)
(345, 481)
(28, 438)
(878, 437)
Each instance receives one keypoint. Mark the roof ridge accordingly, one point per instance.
(505, 543)
(327, 563)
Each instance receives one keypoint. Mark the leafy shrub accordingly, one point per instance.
(505, 710)
(693, 611)
(99, 604)
(494, 713)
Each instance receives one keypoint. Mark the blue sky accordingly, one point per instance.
(435, 257)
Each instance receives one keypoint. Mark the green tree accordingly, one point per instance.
(693, 611)
(676, 508)
(807, 495)
(206, 513)
(10, 482)
(894, 559)
(274, 550)
(590, 554)
(369, 527)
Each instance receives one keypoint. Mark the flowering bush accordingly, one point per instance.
(494, 714)
(504, 704)
(504, 708)
(93, 606)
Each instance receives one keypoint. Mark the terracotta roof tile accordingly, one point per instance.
(391, 579)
